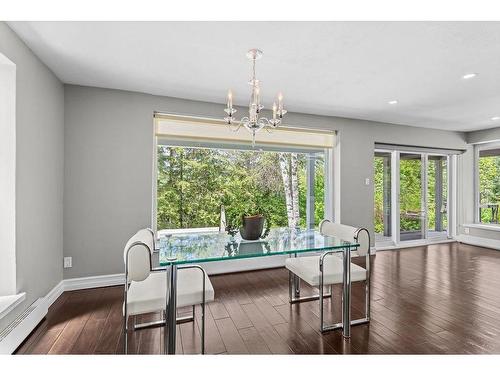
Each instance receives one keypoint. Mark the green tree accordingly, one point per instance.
(489, 185)
(192, 184)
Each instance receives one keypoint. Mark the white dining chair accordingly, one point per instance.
(145, 287)
(327, 269)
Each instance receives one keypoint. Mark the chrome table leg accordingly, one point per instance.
(346, 294)
(171, 308)
(321, 284)
(296, 284)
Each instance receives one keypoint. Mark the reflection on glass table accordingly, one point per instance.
(214, 246)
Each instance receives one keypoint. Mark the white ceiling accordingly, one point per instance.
(349, 69)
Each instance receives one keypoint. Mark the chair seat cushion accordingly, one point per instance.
(307, 268)
(150, 295)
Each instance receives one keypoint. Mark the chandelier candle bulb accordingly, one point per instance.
(274, 111)
(230, 100)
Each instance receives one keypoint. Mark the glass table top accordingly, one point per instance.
(215, 246)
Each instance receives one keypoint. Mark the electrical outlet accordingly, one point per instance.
(367, 181)
(466, 230)
(68, 262)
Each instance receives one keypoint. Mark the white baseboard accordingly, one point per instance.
(479, 241)
(414, 244)
(54, 294)
(212, 268)
(93, 282)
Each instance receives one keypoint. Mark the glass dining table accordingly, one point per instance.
(176, 250)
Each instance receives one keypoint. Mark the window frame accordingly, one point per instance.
(328, 169)
(477, 199)
(395, 194)
(8, 164)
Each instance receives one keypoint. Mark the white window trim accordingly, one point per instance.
(395, 241)
(329, 179)
(478, 147)
(9, 303)
(490, 227)
(8, 135)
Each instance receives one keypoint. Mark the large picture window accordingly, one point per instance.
(488, 183)
(193, 183)
(207, 176)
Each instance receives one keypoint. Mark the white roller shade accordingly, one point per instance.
(192, 129)
(406, 148)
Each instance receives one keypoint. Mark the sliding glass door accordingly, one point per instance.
(383, 197)
(437, 196)
(412, 211)
(410, 196)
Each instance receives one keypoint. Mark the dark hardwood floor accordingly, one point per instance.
(431, 300)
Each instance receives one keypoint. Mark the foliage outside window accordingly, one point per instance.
(192, 184)
(382, 193)
(489, 185)
(411, 190)
(437, 193)
(410, 193)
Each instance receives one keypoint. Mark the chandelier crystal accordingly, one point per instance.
(253, 122)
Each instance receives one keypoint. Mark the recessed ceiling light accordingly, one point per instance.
(469, 75)
(393, 102)
(495, 118)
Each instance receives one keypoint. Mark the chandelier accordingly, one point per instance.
(254, 122)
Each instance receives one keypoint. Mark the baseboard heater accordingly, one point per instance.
(17, 331)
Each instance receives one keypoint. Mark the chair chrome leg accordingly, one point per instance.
(367, 286)
(294, 298)
(296, 286)
(203, 327)
(203, 302)
(125, 335)
(367, 300)
(161, 323)
(345, 297)
(125, 317)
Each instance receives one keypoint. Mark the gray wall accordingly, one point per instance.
(108, 167)
(486, 135)
(39, 172)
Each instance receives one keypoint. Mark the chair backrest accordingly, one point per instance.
(347, 233)
(137, 256)
(147, 236)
